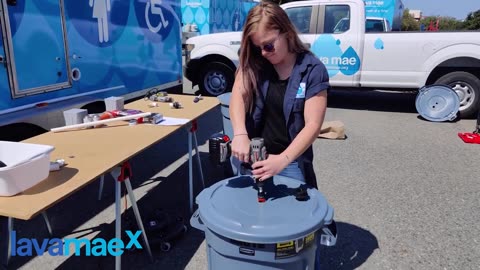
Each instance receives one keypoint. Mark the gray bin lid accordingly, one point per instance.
(231, 209)
(437, 103)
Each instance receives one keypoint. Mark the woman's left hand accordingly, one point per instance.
(269, 167)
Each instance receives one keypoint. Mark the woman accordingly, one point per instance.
(279, 94)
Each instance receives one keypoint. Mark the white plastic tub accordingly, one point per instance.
(26, 165)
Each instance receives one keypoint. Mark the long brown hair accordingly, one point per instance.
(273, 17)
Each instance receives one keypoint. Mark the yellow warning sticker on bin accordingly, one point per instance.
(286, 244)
(292, 248)
(285, 250)
(309, 238)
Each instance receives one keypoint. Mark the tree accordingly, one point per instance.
(449, 24)
(408, 22)
(472, 22)
(444, 23)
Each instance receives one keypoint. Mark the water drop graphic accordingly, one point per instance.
(226, 17)
(204, 29)
(326, 48)
(200, 17)
(188, 15)
(218, 16)
(350, 62)
(379, 44)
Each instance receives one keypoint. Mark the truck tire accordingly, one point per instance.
(467, 87)
(216, 78)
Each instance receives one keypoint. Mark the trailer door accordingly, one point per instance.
(3, 66)
(35, 46)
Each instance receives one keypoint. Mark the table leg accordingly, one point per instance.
(122, 174)
(100, 189)
(198, 158)
(190, 173)
(137, 216)
(118, 222)
(49, 227)
(9, 241)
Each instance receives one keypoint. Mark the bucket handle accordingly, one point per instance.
(328, 235)
(197, 222)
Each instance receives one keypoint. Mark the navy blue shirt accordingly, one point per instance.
(309, 77)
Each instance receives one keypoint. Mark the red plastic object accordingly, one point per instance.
(470, 137)
(194, 126)
(126, 172)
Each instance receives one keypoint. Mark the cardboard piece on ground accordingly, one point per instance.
(332, 130)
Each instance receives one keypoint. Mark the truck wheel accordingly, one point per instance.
(467, 87)
(216, 78)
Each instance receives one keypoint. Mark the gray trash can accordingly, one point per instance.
(242, 233)
(227, 126)
(225, 107)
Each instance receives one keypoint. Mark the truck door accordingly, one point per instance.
(304, 18)
(339, 42)
(34, 55)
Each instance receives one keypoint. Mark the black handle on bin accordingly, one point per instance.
(197, 222)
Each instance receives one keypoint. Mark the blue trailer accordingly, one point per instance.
(391, 10)
(58, 54)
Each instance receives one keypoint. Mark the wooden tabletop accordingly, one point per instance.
(90, 153)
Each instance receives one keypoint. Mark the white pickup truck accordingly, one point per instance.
(354, 58)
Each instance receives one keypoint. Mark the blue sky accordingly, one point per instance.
(458, 9)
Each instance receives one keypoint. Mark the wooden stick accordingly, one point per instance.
(99, 122)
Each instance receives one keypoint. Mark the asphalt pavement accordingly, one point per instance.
(406, 193)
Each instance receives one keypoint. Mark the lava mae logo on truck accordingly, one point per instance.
(57, 247)
(329, 51)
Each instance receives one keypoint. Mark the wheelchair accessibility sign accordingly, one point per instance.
(153, 7)
(156, 18)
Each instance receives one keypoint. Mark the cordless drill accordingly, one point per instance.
(220, 151)
(258, 152)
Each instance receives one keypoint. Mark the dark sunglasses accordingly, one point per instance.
(269, 47)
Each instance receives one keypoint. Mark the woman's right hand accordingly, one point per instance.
(241, 148)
